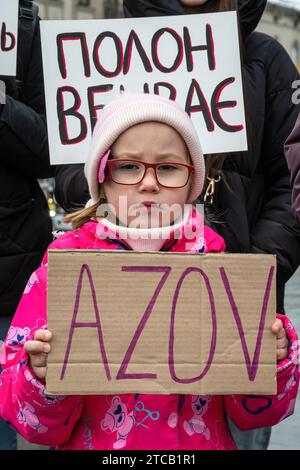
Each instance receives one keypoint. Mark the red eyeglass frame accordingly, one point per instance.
(149, 165)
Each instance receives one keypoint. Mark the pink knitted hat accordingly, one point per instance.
(128, 110)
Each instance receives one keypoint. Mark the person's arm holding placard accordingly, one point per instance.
(39, 418)
(255, 411)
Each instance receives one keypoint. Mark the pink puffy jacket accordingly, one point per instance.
(128, 421)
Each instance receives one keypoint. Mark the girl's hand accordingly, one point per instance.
(37, 351)
(282, 340)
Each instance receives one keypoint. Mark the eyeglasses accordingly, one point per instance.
(167, 174)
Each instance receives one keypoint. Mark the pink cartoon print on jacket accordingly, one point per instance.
(32, 280)
(16, 337)
(196, 424)
(28, 417)
(49, 399)
(118, 420)
(292, 382)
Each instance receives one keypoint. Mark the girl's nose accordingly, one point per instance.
(149, 181)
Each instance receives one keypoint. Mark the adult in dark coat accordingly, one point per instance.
(25, 225)
(292, 153)
(253, 197)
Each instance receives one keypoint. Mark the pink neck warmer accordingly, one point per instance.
(145, 239)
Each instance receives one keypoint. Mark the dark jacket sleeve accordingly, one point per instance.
(23, 130)
(71, 188)
(292, 153)
(277, 226)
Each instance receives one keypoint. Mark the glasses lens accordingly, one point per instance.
(172, 175)
(127, 172)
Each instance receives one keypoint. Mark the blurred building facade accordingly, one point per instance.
(79, 9)
(281, 18)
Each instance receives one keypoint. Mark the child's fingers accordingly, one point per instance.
(37, 351)
(40, 372)
(277, 326)
(282, 343)
(281, 334)
(36, 347)
(38, 360)
(43, 335)
(282, 354)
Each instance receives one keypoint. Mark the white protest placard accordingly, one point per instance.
(8, 36)
(193, 59)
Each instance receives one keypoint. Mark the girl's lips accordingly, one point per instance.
(150, 206)
(150, 203)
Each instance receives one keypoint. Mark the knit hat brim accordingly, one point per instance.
(131, 109)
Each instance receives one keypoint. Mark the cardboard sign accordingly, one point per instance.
(193, 59)
(8, 36)
(161, 323)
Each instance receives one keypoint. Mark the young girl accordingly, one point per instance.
(144, 149)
